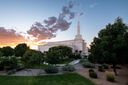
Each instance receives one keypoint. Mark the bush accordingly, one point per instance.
(105, 66)
(51, 69)
(110, 76)
(93, 74)
(88, 65)
(68, 68)
(11, 72)
(100, 68)
(91, 70)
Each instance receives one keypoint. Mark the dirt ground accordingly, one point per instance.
(121, 79)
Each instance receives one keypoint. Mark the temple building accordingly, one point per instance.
(76, 44)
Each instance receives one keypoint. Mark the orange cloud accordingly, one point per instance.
(9, 37)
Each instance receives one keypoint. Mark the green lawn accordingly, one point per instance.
(65, 79)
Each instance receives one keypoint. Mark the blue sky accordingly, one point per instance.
(21, 14)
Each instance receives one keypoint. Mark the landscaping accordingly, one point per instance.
(30, 67)
(65, 79)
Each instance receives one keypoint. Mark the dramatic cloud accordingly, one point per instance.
(10, 37)
(53, 24)
(50, 21)
(40, 31)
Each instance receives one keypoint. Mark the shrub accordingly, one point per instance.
(68, 68)
(91, 70)
(11, 72)
(88, 65)
(93, 74)
(110, 76)
(100, 68)
(105, 66)
(51, 69)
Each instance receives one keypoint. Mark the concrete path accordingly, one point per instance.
(35, 72)
(28, 72)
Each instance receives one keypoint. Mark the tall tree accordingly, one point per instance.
(7, 51)
(20, 49)
(111, 45)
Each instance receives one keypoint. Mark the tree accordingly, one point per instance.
(57, 54)
(53, 57)
(111, 45)
(20, 49)
(32, 57)
(63, 51)
(7, 51)
(37, 58)
(1, 54)
(8, 63)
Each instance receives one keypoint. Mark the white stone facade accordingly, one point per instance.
(76, 44)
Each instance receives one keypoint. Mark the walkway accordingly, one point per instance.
(121, 79)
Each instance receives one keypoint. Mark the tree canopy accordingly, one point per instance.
(1, 54)
(58, 53)
(7, 51)
(63, 51)
(32, 57)
(20, 49)
(111, 45)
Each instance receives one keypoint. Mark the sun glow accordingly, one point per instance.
(32, 45)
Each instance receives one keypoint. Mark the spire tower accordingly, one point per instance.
(78, 36)
(78, 28)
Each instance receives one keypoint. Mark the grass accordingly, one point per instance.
(64, 79)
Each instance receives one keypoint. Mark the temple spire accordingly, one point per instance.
(78, 28)
(78, 36)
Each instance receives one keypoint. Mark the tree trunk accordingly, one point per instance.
(114, 69)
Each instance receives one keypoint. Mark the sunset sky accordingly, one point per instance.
(39, 21)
